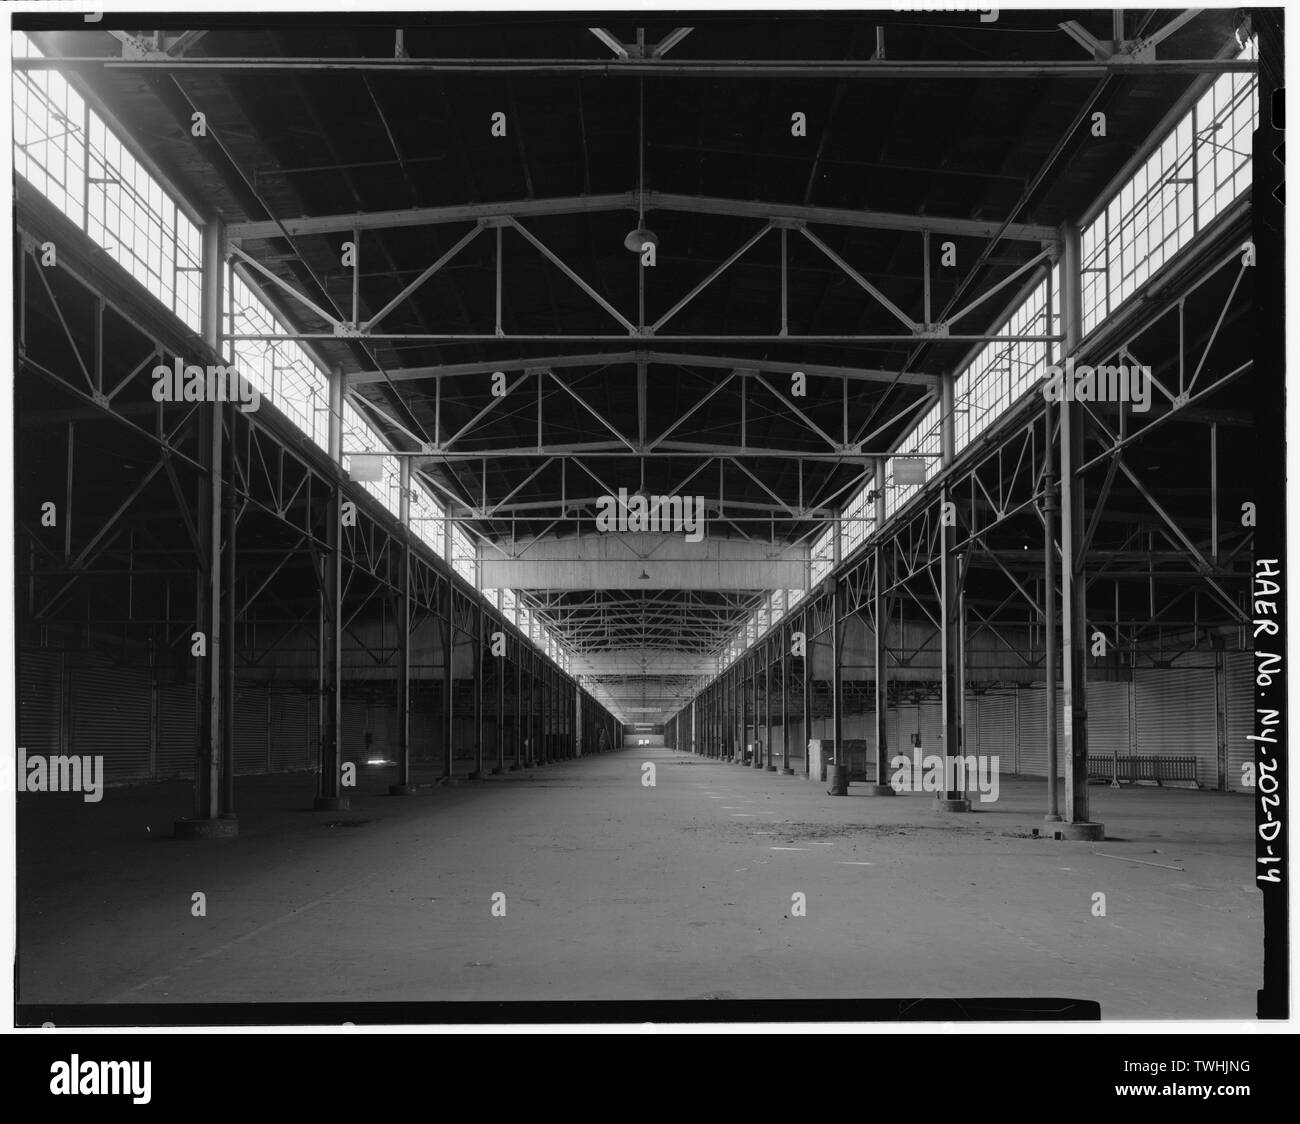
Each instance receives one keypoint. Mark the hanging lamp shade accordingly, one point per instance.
(636, 239)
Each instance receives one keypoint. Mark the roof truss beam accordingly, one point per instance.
(919, 69)
(629, 201)
(612, 358)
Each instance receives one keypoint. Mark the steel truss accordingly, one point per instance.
(917, 325)
(274, 492)
(1009, 480)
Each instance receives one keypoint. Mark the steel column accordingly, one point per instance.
(404, 787)
(329, 792)
(1050, 504)
(737, 731)
(715, 717)
(785, 705)
(807, 691)
(448, 676)
(207, 623)
(879, 628)
(1074, 634)
(952, 798)
(519, 708)
(499, 666)
(478, 688)
(213, 803)
(837, 654)
(227, 640)
(534, 710)
(548, 712)
(769, 764)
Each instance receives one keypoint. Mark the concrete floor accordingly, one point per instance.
(619, 891)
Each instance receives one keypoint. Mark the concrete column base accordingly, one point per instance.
(959, 805)
(332, 803)
(226, 827)
(787, 772)
(771, 768)
(402, 790)
(1080, 832)
(1049, 818)
(882, 790)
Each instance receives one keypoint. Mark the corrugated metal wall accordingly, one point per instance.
(354, 723)
(383, 725)
(1172, 711)
(930, 717)
(424, 722)
(177, 730)
(971, 733)
(907, 722)
(290, 732)
(1176, 713)
(1108, 717)
(313, 730)
(111, 716)
(1032, 732)
(998, 729)
(251, 730)
(1239, 683)
(868, 733)
(40, 702)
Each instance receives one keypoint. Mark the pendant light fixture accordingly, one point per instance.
(638, 239)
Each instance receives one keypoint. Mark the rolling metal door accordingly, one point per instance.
(464, 721)
(40, 702)
(313, 730)
(1239, 676)
(971, 730)
(110, 716)
(869, 736)
(424, 720)
(853, 725)
(355, 725)
(250, 730)
(1176, 712)
(383, 728)
(178, 732)
(998, 730)
(1033, 732)
(1032, 726)
(909, 724)
(290, 748)
(1108, 719)
(931, 723)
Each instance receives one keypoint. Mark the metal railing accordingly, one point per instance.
(1134, 768)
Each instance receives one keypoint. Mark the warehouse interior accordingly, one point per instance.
(357, 652)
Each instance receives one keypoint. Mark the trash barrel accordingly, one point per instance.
(839, 778)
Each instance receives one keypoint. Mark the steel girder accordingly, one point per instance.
(915, 325)
(1001, 480)
(273, 476)
(662, 68)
